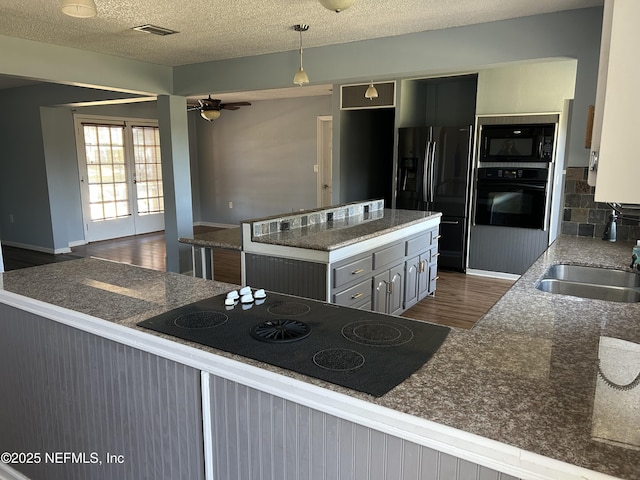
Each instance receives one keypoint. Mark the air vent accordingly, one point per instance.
(154, 30)
(352, 96)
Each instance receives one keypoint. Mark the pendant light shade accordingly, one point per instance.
(210, 115)
(337, 5)
(371, 92)
(301, 77)
(79, 8)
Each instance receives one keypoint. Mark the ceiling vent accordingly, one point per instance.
(352, 96)
(154, 30)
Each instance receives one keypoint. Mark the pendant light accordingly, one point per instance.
(371, 92)
(79, 8)
(301, 77)
(337, 5)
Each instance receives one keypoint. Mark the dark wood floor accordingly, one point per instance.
(460, 300)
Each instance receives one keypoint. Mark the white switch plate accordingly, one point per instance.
(315, 168)
(230, 204)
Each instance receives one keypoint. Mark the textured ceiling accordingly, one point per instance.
(218, 29)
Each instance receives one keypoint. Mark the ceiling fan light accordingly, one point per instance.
(371, 92)
(301, 77)
(337, 5)
(79, 8)
(210, 115)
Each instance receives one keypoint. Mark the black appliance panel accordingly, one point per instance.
(511, 197)
(361, 350)
(434, 174)
(517, 143)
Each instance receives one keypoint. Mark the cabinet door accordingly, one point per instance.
(424, 287)
(617, 179)
(380, 292)
(396, 290)
(412, 272)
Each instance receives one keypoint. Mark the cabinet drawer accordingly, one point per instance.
(356, 295)
(351, 271)
(388, 255)
(418, 244)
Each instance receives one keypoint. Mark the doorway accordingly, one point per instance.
(120, 177)
(325, 158)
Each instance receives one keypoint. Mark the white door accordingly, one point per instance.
(120, 177)
(325, 156)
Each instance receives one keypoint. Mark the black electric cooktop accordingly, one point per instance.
(364, 351)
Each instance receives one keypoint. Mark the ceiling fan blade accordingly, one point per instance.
(229, 107)
(191, 108)
(236, 104)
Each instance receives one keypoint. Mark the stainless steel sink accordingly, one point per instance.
(591, 282)
(593, 275)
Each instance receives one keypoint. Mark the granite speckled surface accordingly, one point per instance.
(347, 231)
(526, 375)
(229, 238)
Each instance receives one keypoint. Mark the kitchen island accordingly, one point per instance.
(357, 255)
(521, 393)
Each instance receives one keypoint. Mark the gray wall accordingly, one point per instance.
(39, 182)
(260, 158)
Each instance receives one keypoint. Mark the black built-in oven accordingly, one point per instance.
(511, 197)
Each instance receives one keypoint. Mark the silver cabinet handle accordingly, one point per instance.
(357, 272)
(357, 295)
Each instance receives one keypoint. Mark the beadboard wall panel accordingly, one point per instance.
(264, 437)
(295, 277)
(65, 390)
(505, 249)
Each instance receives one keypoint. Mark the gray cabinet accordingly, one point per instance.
(390, 278)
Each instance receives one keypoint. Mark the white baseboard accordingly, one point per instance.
(214, 224)
(78, 243)
(490, 274)
(37, 248)
(8, 473)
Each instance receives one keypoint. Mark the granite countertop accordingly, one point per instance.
(229, 238)
(526, 375)
(336, 234)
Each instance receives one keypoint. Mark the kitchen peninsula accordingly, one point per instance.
(521, 393)
(357, 255)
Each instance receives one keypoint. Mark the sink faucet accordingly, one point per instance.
(611, 230)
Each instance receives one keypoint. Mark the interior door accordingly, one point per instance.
(325, 157)
(120, 177)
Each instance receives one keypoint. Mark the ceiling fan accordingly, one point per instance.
(210, 108)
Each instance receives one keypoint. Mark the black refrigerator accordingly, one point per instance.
(434, 173)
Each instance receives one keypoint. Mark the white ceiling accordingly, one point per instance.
(219, 29)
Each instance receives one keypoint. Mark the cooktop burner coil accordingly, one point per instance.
(377, 333)
(202, 319)
(280, 331)
(288, 309)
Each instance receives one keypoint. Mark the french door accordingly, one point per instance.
(120, 177)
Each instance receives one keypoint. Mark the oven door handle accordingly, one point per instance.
(530, 186)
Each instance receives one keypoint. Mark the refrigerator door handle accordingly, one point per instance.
(432, 192)
(425, 171)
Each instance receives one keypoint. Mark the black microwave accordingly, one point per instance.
(517, 143)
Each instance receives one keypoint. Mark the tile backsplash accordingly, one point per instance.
(312, 217)
(584, 217)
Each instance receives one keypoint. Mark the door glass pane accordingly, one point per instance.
(146, 146)
(106, 171)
